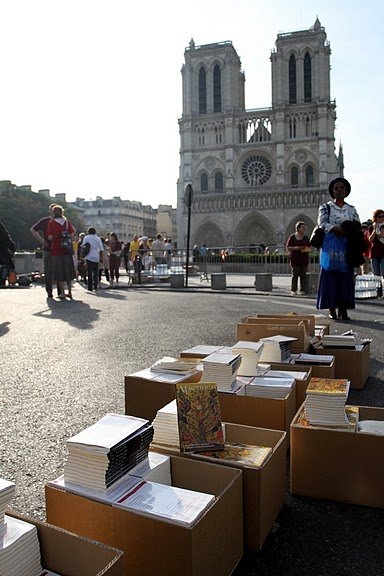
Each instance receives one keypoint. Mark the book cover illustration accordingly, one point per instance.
(329, 386)
(244, 454)
(199, 418)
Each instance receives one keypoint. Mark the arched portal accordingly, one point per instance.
(254, 229)
(209, 234)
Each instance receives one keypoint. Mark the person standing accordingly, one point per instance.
(376, 250)
(93, 257)
(337, 288)
(7, 251)
(158, 249)
(299, 247)
(60, 265)
(39, 232)
(115, 250)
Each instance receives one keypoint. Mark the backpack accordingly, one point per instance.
(84, 250)
(66, 240)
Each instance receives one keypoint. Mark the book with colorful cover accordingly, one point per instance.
(199, 418)
(244, 454)
(329, 386)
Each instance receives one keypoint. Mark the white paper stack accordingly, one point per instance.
(250, 355)
(165, 426)
(104, 452)
(221, 369)
(263, 387)
(371, 427)
(339, 341)
(276, 348)
(19, 549)
(155, 468)
(325, 402)
(312, 359)
(170, 503)
(297, 375)
(200, 351)
(7, 492)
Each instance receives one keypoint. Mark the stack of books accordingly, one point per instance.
(200, 351)
(263, 387)
(103, 453)
(7, 492)
(155, 468)
(276, 348)
(174, 366)
(325, 402)
(250, 355)
(19, 543)
(319, 359)
(221, 369)
(165, 429)
(339, 341)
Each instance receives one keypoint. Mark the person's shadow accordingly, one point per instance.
(4, 328)
(75, 312)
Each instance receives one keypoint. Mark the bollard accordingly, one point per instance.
(218, 281)
(312, 282)
(177, 280)
(263, 282)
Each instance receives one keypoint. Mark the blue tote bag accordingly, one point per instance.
(333, 253)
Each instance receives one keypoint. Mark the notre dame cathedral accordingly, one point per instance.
(256, 172)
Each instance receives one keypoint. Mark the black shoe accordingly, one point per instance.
(332, 314)
(49, 295)
(343, 314)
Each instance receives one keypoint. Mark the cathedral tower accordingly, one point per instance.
(256, 172)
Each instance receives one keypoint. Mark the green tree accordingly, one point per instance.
(20, 208)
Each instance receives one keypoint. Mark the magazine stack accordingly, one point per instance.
(250, 356)
(325, 402)
(221, 369)
(264, 387)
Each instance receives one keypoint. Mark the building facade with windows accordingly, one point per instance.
(255, 172)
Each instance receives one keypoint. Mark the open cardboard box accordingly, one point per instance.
(71, 555)
(213, 545)
(143, 398)
(263, 488)
(256, 328)
(349, 363)
(308, 319)
(337, 464)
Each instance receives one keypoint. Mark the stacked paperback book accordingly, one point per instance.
(264, 387)
(325, 402)
(276, 348)
(250, 355)
(221, 369)
(19, 543)
(165, 430)
(103, 453)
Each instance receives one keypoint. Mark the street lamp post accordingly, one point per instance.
(188, 199)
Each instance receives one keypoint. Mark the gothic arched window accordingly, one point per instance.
(204, 182)
(217, 89)
(202, 91)
(292, 79)
(294, 176)
(309, 179)
(307, 78)
(219, 183)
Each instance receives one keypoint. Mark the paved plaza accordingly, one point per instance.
(62, 367)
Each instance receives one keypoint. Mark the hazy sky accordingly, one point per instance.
(91, 90)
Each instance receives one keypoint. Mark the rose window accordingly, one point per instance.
(256, 170)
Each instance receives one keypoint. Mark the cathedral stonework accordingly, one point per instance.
(254, 173)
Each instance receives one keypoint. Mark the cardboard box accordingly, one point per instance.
(350, 363)
(214, 545)
(143, 398)
(72, 555)
(261, 328)
(263, 488)
(308, 319)
(338, 465)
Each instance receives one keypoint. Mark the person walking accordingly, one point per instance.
(95, 254)
(299, 247)
(376, 250)
(39, 232)
(341, 225)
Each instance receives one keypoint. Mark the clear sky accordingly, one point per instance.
(91, 89)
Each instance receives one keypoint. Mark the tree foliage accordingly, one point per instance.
(20, 208)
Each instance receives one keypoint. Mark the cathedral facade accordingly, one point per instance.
(255, 173)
